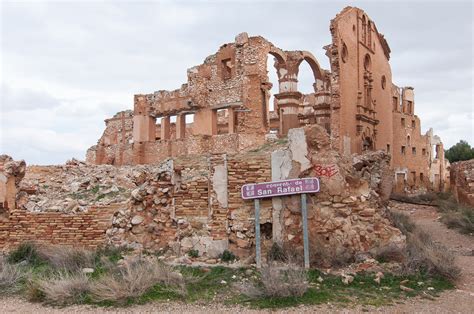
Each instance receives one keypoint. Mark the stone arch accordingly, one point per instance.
(279, 54)
(313, 63)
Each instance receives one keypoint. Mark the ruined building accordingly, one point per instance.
(228, 97)
(168, 175)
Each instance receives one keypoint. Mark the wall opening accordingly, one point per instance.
(273, 79)
(266, 230)
(305, 78)
(222, 121)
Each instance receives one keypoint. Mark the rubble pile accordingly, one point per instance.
(76, 186)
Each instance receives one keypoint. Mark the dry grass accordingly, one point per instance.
(63, 288)
(425, 255)
(422, 254)
(401, 221)
(290, 281)
(326, 252)
(454, 215)
(11, 277)
(390, 253)
(67, 258)
(134, 279)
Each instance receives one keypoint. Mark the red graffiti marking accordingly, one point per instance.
(325, 170)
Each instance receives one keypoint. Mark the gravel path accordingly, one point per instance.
(460, 300)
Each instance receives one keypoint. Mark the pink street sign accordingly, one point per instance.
(280, 188)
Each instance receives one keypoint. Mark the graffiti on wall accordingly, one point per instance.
(326, 170)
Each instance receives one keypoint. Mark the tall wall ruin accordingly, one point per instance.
(228, 97)
(157, 179)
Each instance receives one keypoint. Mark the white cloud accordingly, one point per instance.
(68, 65)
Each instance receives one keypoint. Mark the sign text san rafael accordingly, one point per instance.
(256, 191)
(280, 188)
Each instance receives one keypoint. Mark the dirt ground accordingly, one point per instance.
(460, 300)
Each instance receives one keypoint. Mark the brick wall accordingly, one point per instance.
(462, 181)
(85, 229)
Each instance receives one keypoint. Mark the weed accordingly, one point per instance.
(402, 222)
(390, 253)
(11, 277)
(276, 282)
(228, 256)
(134, 280)
(66, 258)
(63, 288)
(95, 189)
(423, 255)
(277, 253)
(193, 253)
(26, 252)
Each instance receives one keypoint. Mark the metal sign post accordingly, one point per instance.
(256, 191)
(304, 214)
(258, 256)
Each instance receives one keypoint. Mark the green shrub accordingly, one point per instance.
(193, 253)
(228, 256)
(11, 277)
(112, 253)
(25, 252)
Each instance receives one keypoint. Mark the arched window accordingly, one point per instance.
(408, 140)
(344, 53)
(369, 34)
(367, 62)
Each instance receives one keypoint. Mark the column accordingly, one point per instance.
(165, 128)
(181, 126)
(232, 121)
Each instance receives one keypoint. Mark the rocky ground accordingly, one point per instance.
(459, 300)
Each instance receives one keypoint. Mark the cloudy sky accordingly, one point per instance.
(67, 65)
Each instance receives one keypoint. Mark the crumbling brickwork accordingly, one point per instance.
(228, 99)
(462, 181)
(168, 175)
(85, 229)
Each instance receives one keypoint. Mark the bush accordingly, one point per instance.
(462, 220)
(134, 279)
(401, 221)
(63, 288)
(423, 255)
(227, 256)
(390, 253)
(455, 215)
(277, 253)
(112, 253)
(326, 252)
(193, 253)
(11, 277)
(291, 281)
(25, 252)
(67, 258)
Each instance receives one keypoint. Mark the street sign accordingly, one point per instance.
(280, 188)
(256, 191)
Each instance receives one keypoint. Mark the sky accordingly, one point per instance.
(65, 66)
